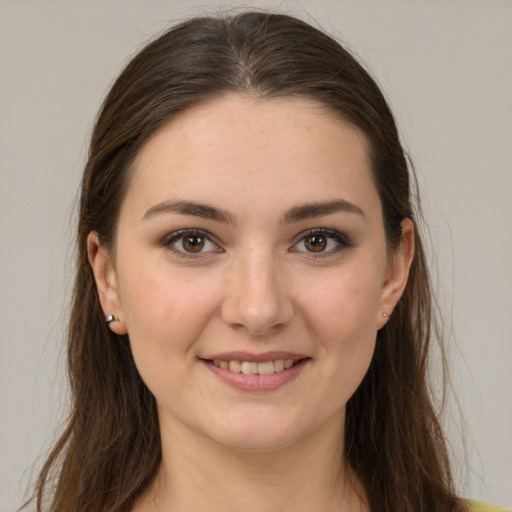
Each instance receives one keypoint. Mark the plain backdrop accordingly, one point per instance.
(445, 66)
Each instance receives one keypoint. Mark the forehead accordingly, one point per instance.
(285, 149)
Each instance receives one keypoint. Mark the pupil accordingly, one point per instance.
(193, 243)
(316, 243)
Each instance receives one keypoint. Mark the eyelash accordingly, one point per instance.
(341, 241)
(175, 237)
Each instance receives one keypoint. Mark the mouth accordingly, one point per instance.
(255, 368)
(248, 372)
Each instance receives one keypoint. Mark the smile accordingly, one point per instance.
(256, 373)
(255, 368)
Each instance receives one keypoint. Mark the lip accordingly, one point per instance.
(257, 383)
(254, 358)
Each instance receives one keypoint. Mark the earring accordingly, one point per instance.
(111, 318)
(385, 315)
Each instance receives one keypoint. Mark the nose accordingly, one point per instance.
(257, 299)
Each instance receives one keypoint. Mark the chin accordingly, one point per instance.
(258, 432)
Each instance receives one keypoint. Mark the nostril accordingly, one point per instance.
(256, 297)
(258, 319)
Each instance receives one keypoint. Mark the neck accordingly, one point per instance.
(198, 474)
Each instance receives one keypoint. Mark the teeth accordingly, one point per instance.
(249, 368)
(235, 366)
(253, 368)
(279, 365)
(266, 368)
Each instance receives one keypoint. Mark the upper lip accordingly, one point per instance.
(256, 358)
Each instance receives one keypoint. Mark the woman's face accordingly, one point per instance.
(251, 239)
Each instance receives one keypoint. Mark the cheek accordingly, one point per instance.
(342, 313)
(345, 299)
(165, 314)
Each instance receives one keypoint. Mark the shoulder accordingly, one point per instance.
(480, 506)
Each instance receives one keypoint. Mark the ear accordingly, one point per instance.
(397, 274)
(106, 282)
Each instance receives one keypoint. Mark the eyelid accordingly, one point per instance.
(342, 241)
(169, 239)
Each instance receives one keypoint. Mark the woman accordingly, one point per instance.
(252, 312)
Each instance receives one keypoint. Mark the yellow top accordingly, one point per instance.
(480, 506)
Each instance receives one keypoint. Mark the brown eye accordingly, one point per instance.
(193, 243)
(322, 242)
(315, 243)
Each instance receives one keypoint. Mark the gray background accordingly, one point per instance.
(446, 69)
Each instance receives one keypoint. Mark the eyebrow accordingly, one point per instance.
(312, 210)
(295, 214)
(203, 211)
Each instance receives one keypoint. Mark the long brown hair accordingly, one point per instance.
(110, 449)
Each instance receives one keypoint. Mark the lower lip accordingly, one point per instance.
(257, 382)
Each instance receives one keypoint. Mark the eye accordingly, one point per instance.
(190, 242)
(321, 242)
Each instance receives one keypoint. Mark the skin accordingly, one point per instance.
(255, 286)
